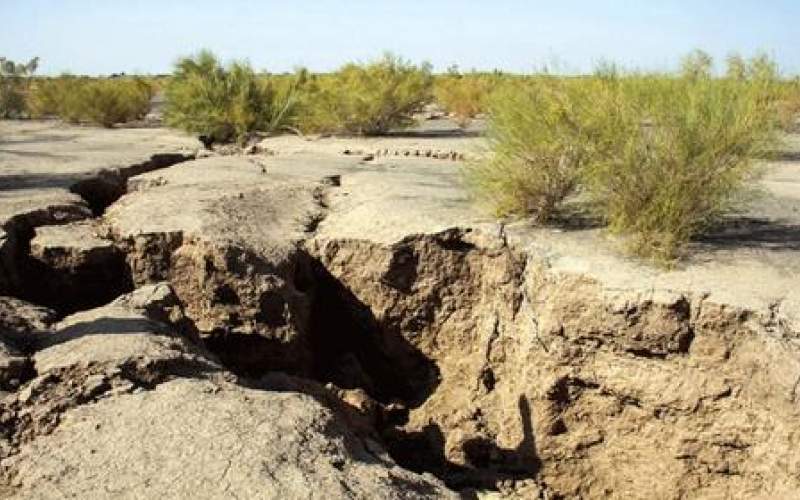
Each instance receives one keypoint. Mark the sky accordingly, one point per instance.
(147, 36)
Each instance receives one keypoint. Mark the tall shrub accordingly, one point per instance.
(99, 101)
(14, 85)
(366, 99)
(540, 139)
(658, 157)
(225, 103)
(679, 154)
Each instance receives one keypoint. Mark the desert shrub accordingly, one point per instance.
(106, 102)
(736, 68)
(538, 132)
(45, 97)
(99, 101)
(672, 154)
(57, 97)
(366, 99)
(697, 65)
(14, 86)
(657, 157)
(464, 96)
(788, 105)
(225, 103)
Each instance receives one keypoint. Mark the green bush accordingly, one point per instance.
(788, 106)
(106, 102)
(697, 65)
(14, 86)
(658, 157)
(226, 103)
(47, 95)
(99, 101)
(464, 96)
(674, 154)
(539, 143)
(366, 99)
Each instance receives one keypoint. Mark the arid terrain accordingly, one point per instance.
(335, 317)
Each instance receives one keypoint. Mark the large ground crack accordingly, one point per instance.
(101, 189)
(74, 275)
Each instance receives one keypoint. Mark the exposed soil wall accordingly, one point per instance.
(467, 358)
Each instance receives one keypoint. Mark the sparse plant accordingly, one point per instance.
(697, 65)
(103, 102)
(539, 146)
(736, 67)
(366, 99)
(14, 86)
(673, 155)
(464, 96)
(788, 105)
(225, 103)
(657, 157)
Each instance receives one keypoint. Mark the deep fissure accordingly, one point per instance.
(348, 346)
(100, 190)
(351, 350)
(103, 274)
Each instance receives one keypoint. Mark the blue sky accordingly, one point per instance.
(102, 36)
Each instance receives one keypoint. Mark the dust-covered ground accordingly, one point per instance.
(337, 315)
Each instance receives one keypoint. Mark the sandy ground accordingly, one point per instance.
(753, 261)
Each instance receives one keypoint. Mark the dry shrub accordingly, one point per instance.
(539, 146)
(788, 106)
(14, 86)
(99, 101)
(464, 96)
(659, 157)
(226, 103)
(675, 154)
(366, 99)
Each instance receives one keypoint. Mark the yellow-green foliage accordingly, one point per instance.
(99, 101)
(540, 144)
(107, 102)
(366, 99)
(788, 105)
(464, 96)
(659, 157)
(672, 154)
(14, 86)
(225, 103)
(696, 65)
